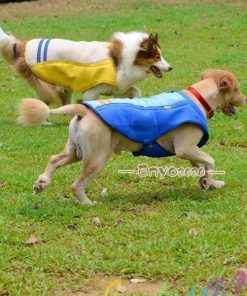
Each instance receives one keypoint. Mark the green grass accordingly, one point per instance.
(145, 221)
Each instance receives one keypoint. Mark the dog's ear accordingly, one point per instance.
(145, 45)
(153, 38)
(225, 83)
(221, 78)
(151, 41)
(206, 74)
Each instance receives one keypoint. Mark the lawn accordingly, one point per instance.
(166, 231)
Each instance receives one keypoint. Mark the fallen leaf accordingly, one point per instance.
(32, 240)
(103, 192)
(193, 232)
(5, 293)
(37, 206)
(227, 261)
(137, 281)
(2, 184)
(243, 269)
(238, 127)
(96, 220)
(121, 289)
(72, 226)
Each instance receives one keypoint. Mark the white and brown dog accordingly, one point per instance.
(57, 67)
(110, 126)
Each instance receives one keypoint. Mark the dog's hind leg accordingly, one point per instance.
(56, 161)
(92, 167)
(50, 93)
(65, 96)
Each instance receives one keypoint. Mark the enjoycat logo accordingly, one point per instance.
(215, 288)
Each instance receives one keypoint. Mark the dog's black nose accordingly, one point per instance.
(170, 68)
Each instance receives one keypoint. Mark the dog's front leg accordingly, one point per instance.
(213, 183)
(90, 95)
(196, 155)
(95, 92)
(132, 92)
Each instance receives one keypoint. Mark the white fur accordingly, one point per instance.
(127, 73)
(4, 38)
(131, 42)
(162, 64)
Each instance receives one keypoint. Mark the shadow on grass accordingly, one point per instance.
(164, 195)
(64, 208)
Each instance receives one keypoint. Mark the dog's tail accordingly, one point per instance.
(10, 47)
(4, 39)
(36, 112)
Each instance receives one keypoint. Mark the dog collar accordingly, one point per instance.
(200, 98)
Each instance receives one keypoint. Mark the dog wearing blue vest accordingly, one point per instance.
(56, 67)
(173, 123)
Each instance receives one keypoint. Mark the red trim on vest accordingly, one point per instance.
(200, 98)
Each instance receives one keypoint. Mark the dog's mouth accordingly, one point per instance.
(156, 71)
(229, 110)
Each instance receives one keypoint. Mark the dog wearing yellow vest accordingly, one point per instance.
(56, 67)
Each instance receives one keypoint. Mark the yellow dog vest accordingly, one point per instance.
(76, 65)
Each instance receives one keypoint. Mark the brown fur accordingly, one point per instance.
(20, 65)
(92, 141)
(48, 92)
(229, 89)
(223, 79)
(116, 48)
(149, 52)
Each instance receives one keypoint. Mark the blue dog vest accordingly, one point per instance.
(144, 120)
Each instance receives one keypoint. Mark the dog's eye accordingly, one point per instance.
(157, 57)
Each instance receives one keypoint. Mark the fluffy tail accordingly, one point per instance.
(4, 39)
(36, 112)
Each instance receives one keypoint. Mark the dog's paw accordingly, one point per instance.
(87, 202)
(47, 123)
(134, 92)
(41, 184)
(80, 195)
(204, 183)
(217, 184)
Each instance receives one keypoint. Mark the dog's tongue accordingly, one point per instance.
(156, 71)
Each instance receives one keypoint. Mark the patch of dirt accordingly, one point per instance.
(99, 286)
(43, 8)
